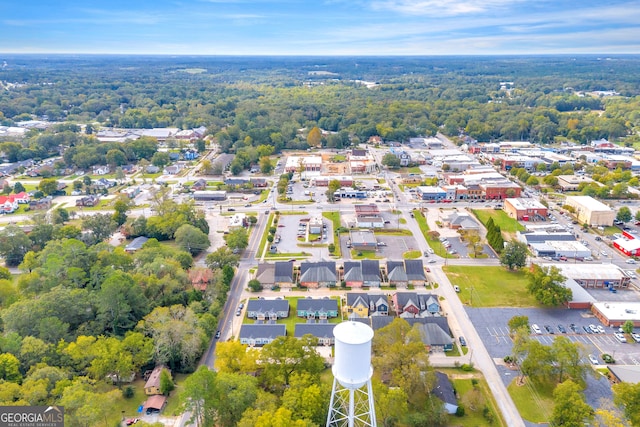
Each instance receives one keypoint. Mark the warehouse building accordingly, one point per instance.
(590, 211)
(525, 209)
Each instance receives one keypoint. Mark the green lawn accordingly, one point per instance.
(334, 217)
(263, 239)
(491, 286)
(411, 255)
(500, 218)
(364, 254)
(534, 402)
(394, 232)
(475, 417)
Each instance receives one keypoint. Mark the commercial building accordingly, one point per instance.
(572, 182)
(590, 211)
(628, 244)
(525, 209)
(615, 314)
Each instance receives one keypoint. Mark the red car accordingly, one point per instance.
(131, 421)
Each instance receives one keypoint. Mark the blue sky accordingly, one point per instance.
(321, 27)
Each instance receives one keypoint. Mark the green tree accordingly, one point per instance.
(237, 239)
(231, 356)
(514, 255)
(286, 355)
(221, 257)
(14, 244)
(121, 206)
(571, 409)
(517, 322)
(265, 165)
(334, 185)
(101, 226)
(637, 216)
(18, 188)
(166, 382)
(191, 239)
(10, 368)
(48, 186)
(567, 356)
(391, 161)
(545, 284)
(624, 214)
(160, 159)
(627, 395)
(391, 404)
(254, 285)
(234, 394)
(121, 303)
(307, 398)
(198, 397)
(628, 326)
(201, 145)
(115, 158)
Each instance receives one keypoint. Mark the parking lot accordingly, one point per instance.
(287, 229)
(491, 325)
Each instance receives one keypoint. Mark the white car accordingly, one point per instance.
(630, 261)
(536, 329)
(620, 337)
(636, 337)
(600, 329)
(604, 253)
(593, 360)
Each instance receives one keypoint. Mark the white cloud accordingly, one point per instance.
(441, 7)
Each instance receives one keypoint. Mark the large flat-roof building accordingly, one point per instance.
(614, 314)
(595, 276)
(590, 211)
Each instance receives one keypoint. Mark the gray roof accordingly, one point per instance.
(255, 331)
(626, 373)
(378, 322)
(414, 269)
(352, 271)
(317, 272)
(136, 243)
(433, 334)
(319, 330)
(404, 298)
(443, 389)
(370, 270)
(543, 236)
(268, 305)
(318, 304)
(396, 271)
(284, 271)
(354, 298)
(266, 273)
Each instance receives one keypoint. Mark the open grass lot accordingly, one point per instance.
(500, 218)
(475, 417)
(411, 255)
(534, 402)
(356, 254)
(491, 286)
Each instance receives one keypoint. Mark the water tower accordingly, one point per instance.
(351, 402)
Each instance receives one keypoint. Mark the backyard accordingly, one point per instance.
(500, 218)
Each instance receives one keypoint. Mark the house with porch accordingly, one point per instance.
(267, 309)
(318, 274)
(362, 273)
(257, 335)
(406, 272)
(434, 337)
(317, 308)
(322, 331)
(361, 305)
(278, 274)
(412, 304)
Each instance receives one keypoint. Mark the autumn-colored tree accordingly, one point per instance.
(314, 137)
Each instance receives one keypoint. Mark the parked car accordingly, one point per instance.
(574, 328)
(131, 421)
(562, 329)
(620, 337)
(587, 329)
(463, 342)
(630, 261)
(636, 337)
(593, 328)
(549, 329)
(456, 288)
(536, 329)
(600, 329)
(238, 312)
(230, 210)
(217, 334)
(593, 360)
(607, 358)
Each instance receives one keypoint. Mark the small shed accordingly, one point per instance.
(136, 244)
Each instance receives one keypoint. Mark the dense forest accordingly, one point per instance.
(249, 102)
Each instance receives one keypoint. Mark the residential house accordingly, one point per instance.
(362, 273)
(258, 335)
(88, 201)
(20, 198)
(278, 274)
(396, 273)
(360, 305)
(152, 386)
(258, 182)
(322, 331)
(101, 170)
(318, 274)
(320, 308)
(172, 170)
(8, 204)
(199, 185)
(267, 309)
(414, 270)
(464, 221)
(412, 304)
(41, 204)
(200, 278)
(136, 244)
(129, 169)
(434, 337)
(444, 391)
(103, 183)
(152, 169)
(157, 402)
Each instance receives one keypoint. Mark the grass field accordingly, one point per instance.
(356, 254)
(475, 417)
(500, 218)
(491, 286)
(534, 402)
(411, 255)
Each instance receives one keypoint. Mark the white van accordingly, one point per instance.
(536, 329)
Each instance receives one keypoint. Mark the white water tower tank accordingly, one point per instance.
(352, 365)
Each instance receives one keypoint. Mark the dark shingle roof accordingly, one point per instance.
(319, 330)
(136, 243)
(284, 271)
(370, 270)
(318, 304)
(266, 273)
(396, 271)
(353, 271)
(253, 331)
(268, 305)
(414, 269)
(433, 334)
(443, 389)
(324, 271)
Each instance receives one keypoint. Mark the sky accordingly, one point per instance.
(321, 27)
